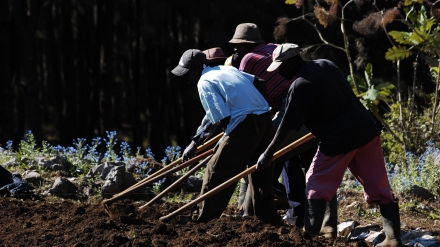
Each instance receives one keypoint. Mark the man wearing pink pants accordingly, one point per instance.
(321, 98)
(326, 173)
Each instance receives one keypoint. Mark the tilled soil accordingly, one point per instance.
(70, 223)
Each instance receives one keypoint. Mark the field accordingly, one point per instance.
(57, 222)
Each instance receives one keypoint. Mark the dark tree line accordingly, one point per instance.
(78, 68)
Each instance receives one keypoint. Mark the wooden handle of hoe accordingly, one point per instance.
(164, 169)
(156, 178)
(226, 184)
(200, 148)
(172, 186)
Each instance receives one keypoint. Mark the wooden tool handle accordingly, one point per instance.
(172, 186)
(157, 177)
(246, 172)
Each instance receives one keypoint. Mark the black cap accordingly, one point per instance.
(190, 58)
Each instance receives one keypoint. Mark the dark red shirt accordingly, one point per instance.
(256, 62)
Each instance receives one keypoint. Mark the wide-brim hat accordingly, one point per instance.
(190, 58)
(214, 55)
(247, 33)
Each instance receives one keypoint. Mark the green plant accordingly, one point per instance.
(27, 150)
(421, 39)
(422, 170)
(171, 154)
(6, 154)
(433, 216)
(110, 154)
(417, 131)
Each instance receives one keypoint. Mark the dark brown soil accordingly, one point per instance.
(70, 223)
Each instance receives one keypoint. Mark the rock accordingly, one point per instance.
(362, 232)
(129, 180)
(62, 188)
(95, 170)
(421, 193)
(414, 234)
(373, 235)
(424, 241)
(192, 184)
(10, 163)
(354, 204)
(32, 177)
(344, 228)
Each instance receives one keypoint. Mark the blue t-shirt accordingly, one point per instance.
(227, 92)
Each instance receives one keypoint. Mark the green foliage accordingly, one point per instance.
(372, 91)
(409, 2)
(83, 157)
(409, 169)
(396, 53)
(6, 154)
(27, 150)
(423, 35)
(414, 128)
(171, 155)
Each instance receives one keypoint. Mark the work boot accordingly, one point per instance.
(314, 216)
(248, 205)
(391, 224)
(329, 227)
(241, 196)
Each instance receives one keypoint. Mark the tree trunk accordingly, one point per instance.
(25, 19)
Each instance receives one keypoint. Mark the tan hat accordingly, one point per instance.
(214, 55)
(247, 33)
(281, 53)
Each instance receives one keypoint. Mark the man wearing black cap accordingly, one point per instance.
(349, 137)
(230, 98)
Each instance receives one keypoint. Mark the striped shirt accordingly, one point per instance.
(256, 63)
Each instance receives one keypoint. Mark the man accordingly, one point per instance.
(230, 98)
(322, 99)
(254, 57)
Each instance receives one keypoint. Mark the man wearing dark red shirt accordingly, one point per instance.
(254, 57)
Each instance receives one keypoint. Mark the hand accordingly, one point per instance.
(189, 151)
(264, 161)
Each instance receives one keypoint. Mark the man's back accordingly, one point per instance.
(322, 99)
(226, 91)
(256, 63)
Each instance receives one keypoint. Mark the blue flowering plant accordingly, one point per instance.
(418, 170)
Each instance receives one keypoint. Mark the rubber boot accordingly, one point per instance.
(241, 196)
(248, 205)
(391, 224)
(314, 216)
(329, 227)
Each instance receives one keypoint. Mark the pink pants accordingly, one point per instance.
(365, 163)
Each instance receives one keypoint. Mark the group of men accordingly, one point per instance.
(265, 96)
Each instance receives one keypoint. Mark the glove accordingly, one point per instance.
(264, 162)
(189, 151)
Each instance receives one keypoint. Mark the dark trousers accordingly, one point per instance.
(294, 180)
(238, 150)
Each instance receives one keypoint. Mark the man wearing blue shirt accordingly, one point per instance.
(230, 98)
